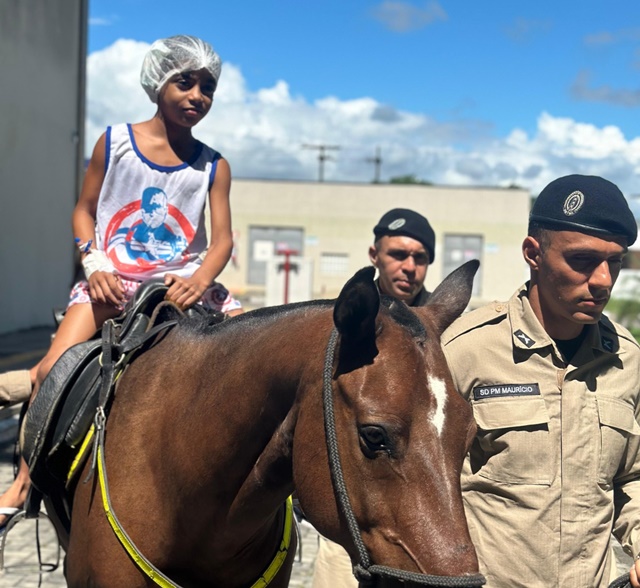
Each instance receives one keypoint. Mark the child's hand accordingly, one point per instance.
(106, 288)
(183, 292)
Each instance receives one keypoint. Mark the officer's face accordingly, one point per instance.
(402, 264)
(572, 277)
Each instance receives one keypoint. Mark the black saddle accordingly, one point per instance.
(61, 415)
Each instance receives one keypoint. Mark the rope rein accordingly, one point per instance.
(621, 582)
(363, 570)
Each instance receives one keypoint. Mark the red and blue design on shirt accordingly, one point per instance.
(147, 234)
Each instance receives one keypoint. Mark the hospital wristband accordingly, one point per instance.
(83, 247)
(96, 261)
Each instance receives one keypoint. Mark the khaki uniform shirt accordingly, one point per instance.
(555, 466)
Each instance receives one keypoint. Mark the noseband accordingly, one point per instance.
(364, 571)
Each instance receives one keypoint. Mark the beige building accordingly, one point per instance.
(331, 225)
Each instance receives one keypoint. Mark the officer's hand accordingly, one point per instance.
(184, 292)
(634, 574)
(106, 288)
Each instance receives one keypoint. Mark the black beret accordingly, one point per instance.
(588, 204)
(407, 223)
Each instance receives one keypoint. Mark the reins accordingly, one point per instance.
(364, 570)
(621, 582)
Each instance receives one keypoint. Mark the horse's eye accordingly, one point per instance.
(374, 439)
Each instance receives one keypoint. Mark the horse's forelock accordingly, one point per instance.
(403, 315)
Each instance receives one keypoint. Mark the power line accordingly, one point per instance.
(322, 156)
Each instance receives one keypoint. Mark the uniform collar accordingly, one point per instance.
(420, 298)
(526, 331)
(529, 335)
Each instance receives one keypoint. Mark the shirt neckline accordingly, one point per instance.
(163, 168)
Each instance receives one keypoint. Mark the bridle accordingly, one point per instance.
(364, 570)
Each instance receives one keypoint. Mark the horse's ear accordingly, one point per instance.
(354, 314)
(451, 297)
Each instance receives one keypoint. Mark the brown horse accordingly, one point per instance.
(214, 427)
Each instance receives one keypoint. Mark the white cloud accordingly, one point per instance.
(581, 89)
(401, 17)
(261, 133)
(99, 22)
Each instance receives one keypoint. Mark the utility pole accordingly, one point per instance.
(377, 161)
(322, 156)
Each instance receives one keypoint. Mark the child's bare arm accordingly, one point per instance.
(187, 291)
(104, 287)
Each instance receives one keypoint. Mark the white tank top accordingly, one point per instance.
(150, 218)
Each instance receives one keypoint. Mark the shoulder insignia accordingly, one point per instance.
(522, 336)
(607, 344)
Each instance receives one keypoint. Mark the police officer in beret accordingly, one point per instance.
(404, 247)
(555, 390)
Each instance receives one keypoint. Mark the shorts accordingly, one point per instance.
(216, 297)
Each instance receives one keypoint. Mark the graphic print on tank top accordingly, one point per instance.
(148, 233)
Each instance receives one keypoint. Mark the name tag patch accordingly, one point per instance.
(502, 390)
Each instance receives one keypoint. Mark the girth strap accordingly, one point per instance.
(154, 573)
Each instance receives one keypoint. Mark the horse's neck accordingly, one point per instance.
(257, 390)
(266, 371)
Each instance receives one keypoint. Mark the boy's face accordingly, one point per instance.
(186, 98)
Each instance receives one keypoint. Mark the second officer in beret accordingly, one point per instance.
(555, 390)
(403, 248)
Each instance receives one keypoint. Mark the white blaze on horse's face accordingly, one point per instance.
(439, 390)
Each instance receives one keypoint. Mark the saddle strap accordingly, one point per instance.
(109, 372)
(154, 573)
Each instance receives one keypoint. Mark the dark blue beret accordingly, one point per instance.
(407, 223)
(589, 204)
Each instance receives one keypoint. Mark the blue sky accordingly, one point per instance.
(489, 93)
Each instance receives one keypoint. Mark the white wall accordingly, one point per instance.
(42, 61)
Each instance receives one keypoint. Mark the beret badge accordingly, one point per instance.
(573, 203)
(396, 224)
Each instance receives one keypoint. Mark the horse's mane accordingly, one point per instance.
(204, 325)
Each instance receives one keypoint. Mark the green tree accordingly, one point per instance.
(409, 179)
(627, 310)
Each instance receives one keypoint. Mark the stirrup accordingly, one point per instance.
(15, 516)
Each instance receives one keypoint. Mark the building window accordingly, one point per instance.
(459, 249)
(264, 244)
(334, 264)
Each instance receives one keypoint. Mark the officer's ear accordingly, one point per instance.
(373, 255)
(532, 252)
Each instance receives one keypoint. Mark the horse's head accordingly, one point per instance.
(401, 431)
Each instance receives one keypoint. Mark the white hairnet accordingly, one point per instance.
(174, 55)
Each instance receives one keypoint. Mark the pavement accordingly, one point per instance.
(21, 562)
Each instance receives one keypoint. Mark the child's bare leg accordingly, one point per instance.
(79, 324)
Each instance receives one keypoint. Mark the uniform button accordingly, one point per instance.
(499, 307)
